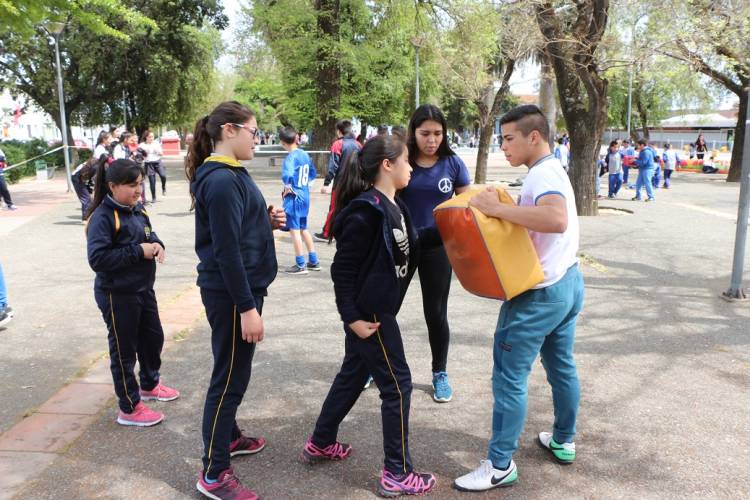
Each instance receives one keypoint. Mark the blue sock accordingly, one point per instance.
(210, 481)
(300, 260)
(312, 257)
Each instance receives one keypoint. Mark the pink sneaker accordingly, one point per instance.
(245, 445)
(142, 416)
(413, 483)
(228, 486)
(160, 393)
(335, 451)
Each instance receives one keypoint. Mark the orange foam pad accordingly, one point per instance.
(492, 257)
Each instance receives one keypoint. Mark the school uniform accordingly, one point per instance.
(297, 172)
(539, 321)
(376, 248)
(80, 177)
(614, 166)
(428, 188)
(124, 292)
(153, 166)
(671, 160)
(235, 246)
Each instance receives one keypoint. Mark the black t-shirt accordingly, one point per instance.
(400, 241)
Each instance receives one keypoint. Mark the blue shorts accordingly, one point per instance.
(296, 210)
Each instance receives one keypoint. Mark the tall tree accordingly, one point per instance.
(479, 52)
(572, 32)
(163, 69)
(715, 40)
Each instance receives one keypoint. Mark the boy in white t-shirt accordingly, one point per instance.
(541, 320)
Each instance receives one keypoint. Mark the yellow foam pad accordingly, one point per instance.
(491, 257)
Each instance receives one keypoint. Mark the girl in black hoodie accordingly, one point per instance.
(375, 246)
(234, 242)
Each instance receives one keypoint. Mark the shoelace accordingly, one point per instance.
(484, 469)
(441, 382)
(336, 449)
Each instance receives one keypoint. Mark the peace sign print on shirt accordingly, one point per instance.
(445, 185)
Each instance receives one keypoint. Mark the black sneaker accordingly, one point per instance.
(320, 237)
(164, 192)
(7, 310)
(314, 267)
(5, 318)
(295, 269)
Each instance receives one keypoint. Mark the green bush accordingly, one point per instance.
(17, 151)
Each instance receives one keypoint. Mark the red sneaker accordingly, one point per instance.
(160, 393)
(335, 451)
(142, 416)
(245, 445)
(228, 486)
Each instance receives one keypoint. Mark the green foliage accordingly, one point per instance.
(164, 68)
(23, 17)
(372, 53)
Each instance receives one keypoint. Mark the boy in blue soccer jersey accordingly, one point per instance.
(297, 173)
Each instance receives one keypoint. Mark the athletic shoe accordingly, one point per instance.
(295, 269)
(413, 483)
(142, 416)
(442, 391)
(245, 445)
(164, 192)
(160, 393)
(314, 267)
(320, 237)
(336, 451)
(486, 477)
(5, 318)
(564, 453)
(12, 207)
(635, 199)
(611, 197)
(227, 486)
(650, 199)
(8, 310)
(368, 383)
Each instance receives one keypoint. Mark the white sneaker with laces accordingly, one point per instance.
(486, 477)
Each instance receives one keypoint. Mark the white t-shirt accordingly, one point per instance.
(556, 252)
(563, 154)
(100, 150)
(153, 151)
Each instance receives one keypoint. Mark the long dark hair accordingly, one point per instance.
(208, 132)
(361, 169)
(422, 114)
(118, 172)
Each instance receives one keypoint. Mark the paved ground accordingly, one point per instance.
(664, 365)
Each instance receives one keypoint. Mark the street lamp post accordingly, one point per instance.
(56, 29)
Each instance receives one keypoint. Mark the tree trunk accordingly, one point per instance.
(327, 78)
(571, 43)
(487, 115)
(642, 115)
(362, 132)
(735, 167)
(547, 101)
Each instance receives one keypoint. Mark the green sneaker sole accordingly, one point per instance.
(561, 456)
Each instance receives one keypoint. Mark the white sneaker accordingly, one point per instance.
(486, 477)
(564, 453)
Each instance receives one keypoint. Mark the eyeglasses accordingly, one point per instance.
(253, 131)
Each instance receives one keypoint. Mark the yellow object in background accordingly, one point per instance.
(491, 257)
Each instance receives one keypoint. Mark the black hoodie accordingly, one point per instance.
(233, 234)
(114, 234)
(363, 269)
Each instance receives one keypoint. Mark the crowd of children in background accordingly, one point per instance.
(117, 144)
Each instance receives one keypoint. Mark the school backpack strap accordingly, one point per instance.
(117, 222)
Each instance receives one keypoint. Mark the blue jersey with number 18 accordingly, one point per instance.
(298, 172)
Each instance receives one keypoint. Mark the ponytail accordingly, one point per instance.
(119, 172)
(208, 132)
(361, 169)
